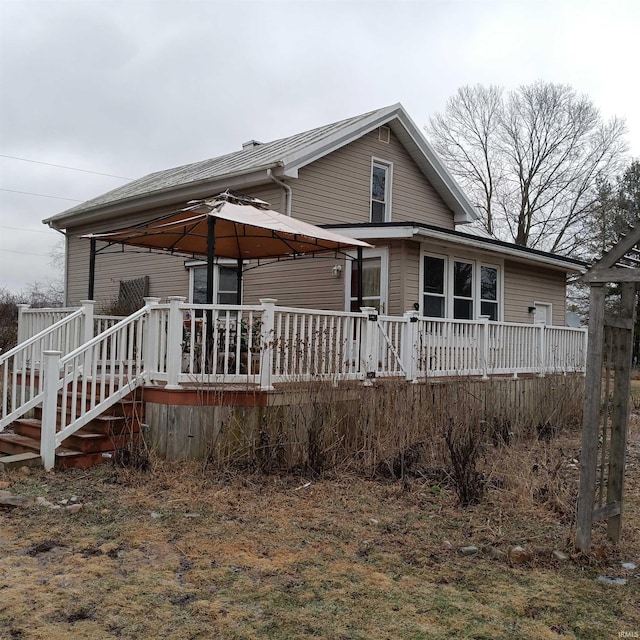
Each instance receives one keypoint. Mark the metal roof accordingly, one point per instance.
(288, 155)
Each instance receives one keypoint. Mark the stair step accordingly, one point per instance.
(105, 424)
(20, 460)
(85, 440)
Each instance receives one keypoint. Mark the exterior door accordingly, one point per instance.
(542, 314)
(374, 281)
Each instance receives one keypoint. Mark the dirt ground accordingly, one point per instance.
(184, 551)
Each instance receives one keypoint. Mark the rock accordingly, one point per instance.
(629, 566)
(447, 546)
(495, 554)
(560, 555)
(73, 508)
(469, 551)
(191, 515)
(612, 580)
(14, 500)
(541, 552)
(519, 555)
(43, 502)
(74, 498)
(4, 485)
(108, 547)
(156, 515)
(25, 471)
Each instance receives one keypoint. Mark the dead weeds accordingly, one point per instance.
(180, 552)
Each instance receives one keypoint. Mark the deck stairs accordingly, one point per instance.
(102, 439)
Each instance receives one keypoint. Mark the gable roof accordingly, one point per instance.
(249, 167)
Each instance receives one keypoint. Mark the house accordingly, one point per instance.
(373, 177)
(424, 297)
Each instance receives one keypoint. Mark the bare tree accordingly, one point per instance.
(529, 159)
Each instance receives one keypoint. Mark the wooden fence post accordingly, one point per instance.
(174, 341)
(267, 337)
(591, 419)
(51, 376)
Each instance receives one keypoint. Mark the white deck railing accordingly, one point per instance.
(178, 343)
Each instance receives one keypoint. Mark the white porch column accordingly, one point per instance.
(51, 373)
(410, 347)
(267, 336)
(151, 346)
(369, 347)
(542, 350)
(174, 341)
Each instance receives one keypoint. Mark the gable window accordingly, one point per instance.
(225, 284)
(433, 305)
(380, 191)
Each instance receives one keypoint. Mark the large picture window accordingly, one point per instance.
(459, 288)
(380, 191)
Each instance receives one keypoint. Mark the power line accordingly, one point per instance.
(26, 253)
(41, 195)
(62, 166)
(2, 226)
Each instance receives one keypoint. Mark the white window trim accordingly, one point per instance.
(219, 262)
(478, 261)
(383, 254)
(388, 187)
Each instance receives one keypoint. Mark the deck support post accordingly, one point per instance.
(51, 376)
(410, 351)
(267, 334)
(369, 347)
(151, 338)
(174, 342)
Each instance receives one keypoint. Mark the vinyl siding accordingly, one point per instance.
(525, 284)
(337, 188)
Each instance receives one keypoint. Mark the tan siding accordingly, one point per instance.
(336, 188)
(304, 282)
(526, 284)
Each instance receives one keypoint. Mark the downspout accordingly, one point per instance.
(288, 194)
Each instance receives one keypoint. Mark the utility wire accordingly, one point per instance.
(25, 253)
(62, 166)
(2, 226)
(41, 195)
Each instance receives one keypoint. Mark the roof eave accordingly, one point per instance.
(410, 231)
(164, 197)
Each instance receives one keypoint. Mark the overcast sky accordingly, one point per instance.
(126, 88)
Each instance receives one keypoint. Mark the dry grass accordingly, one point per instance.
(180, 552)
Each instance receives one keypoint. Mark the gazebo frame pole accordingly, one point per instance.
(211, 252)
(239, 285)
(92, 268)
(360, 279)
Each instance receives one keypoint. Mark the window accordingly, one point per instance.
(489, 292)
(380, 191)
(453, 287)
(225, 284)
(463, 290)
(434, 298)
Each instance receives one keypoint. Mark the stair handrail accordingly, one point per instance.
(85, 377)
(9, 394)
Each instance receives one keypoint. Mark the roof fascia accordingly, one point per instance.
(163, 198)
(408, 231)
